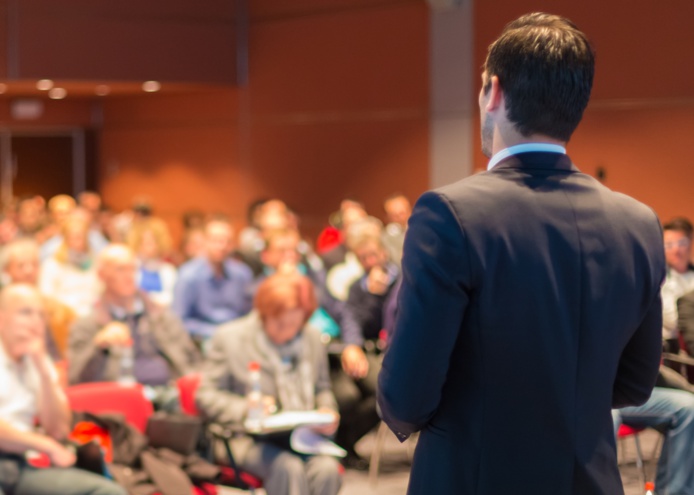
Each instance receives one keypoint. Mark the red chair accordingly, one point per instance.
(112, 397)
(187, 385)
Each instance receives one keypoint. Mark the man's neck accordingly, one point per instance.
(126, 303)
(217, 267)
(501, 142)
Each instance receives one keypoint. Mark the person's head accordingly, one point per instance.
(219, 240)
(350, 215)
(193, 219)
(281, 247)
(75, 232)
(273, 215)
(8, 229)
(536, 83)
(117, 268)
(193, 243)
(398, 209)
(60, 207)
(366, 227)
(22, 319)
(285, 303)
(90, 201)
(22, 261)
(30, 214)
(370, 251)
(150, 239)
(677, 238)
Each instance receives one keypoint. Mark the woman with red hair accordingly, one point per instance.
(293, 376)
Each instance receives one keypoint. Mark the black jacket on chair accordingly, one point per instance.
(530, 306)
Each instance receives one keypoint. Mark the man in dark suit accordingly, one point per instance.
(530, 301)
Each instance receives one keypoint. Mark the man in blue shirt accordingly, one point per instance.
(213, 289)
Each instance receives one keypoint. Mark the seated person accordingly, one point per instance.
(362, 323)
(150, 240)
(68, 275)
(123, 317)
(281, 254)
(398, 210)
(213, 289)
(294, 375)
(30, 390)
(670, 411)
(22, 267)
(341, 276)
(677, 240)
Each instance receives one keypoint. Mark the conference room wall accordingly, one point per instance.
(337, 104)
(641, 116)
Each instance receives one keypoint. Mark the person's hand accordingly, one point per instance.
(114, 333)
(60, 456)
(330, 429)
(377, 281)
(354, 361)
(269, 405)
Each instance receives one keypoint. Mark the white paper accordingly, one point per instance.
(288, 420)
(306, 441)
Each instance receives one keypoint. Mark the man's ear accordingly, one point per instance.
(496, 95)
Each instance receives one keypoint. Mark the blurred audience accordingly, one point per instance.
(124, 320)
(677, 239)
(151, 242)
(398, 211)
(31, 391)
(294, 376)
(21, 266)
(213, 289)
(362, 324)
(68, 275)
(351, 212)
(341, 276)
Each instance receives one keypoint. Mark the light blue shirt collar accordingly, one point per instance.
(525, 148)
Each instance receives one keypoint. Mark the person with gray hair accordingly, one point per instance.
(123, 319)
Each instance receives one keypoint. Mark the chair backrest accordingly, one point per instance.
(187, 385)
(112, 397)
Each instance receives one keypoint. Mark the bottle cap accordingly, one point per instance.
(650, 486)
(254, 366)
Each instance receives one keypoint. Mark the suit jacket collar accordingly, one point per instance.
(537, 160)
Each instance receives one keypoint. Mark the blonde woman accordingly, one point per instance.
(69, 275)
(151, 242)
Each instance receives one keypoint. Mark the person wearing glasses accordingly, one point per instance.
(677, 239)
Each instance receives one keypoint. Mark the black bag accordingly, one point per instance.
(178, 432)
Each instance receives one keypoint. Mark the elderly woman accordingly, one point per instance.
(294, 374)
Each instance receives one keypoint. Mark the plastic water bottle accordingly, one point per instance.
(126, 376)
(254, 398)
(650, 488)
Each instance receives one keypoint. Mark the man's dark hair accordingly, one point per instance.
(680, 224)
(545, 67)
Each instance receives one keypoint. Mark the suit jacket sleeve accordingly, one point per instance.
(432, 302)
(638, 365)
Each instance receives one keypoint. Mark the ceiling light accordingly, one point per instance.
(102, 90)
(151, 86)
(57, 93)
(44, 84)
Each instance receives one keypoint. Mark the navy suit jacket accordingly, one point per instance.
(530, 306)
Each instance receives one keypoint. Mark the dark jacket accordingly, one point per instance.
(529, 308)
(89, 363)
